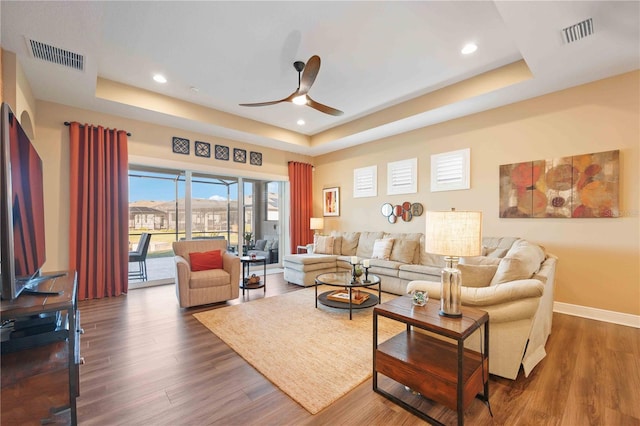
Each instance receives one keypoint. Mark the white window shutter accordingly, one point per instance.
(365, 182)
(450, 171)
(402, 177)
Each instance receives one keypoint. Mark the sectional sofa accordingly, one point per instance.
(513, 281)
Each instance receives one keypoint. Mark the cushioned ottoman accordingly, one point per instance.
(301, 269)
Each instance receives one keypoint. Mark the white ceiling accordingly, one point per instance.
(374, 55)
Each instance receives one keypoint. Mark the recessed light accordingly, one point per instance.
(469, 48)
(300, 122)
(159, 78)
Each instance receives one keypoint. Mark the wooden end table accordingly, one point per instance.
(440, 370)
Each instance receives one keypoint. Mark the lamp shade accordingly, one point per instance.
(453, 233)
(316, 223)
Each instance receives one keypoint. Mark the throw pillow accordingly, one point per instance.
(382, 249)
(259, 245)
(349, 243)
(477, 275)
(323, 244)
(268, 246)
(521, 261)
(404, 251)
(203, 261)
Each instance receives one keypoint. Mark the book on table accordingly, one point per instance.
(357, 296)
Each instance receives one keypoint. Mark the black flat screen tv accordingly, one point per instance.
(22, 208)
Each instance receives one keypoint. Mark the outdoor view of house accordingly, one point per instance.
(158, 206)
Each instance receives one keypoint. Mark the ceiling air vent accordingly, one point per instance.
(578, 31)
(59, 56)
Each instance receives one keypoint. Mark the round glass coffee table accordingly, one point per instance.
(350, 297)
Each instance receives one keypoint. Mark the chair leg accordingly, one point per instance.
(144, 274)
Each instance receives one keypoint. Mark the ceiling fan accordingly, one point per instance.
(306, 76)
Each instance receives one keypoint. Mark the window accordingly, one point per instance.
(273, 201)
(450, 170)
(402, 177)
(365, 182)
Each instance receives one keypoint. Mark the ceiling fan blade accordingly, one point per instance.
(309, 74)
(323, 108)
(259, 104)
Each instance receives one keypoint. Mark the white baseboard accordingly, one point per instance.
(597, 314)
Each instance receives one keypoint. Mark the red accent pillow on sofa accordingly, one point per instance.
(205, 260)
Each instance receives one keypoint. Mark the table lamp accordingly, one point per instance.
(316, 224)
(453, 234)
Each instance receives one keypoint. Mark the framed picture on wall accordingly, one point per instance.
(331, 201)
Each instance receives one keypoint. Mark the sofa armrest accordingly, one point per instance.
(486, 296)
(183, 270)
(183, 275)
(231, 264)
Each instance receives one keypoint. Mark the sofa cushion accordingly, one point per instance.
(209, 278)
(385, 264)
(366, 242)
(419, 272)
(480, 260)
(203, 261)
(308, 259)
(404, 250)
(349, 242)
(382, 249)
(521, 261)
(477, 275)
(310, 267)
(497, 246)
(260, 245)
(323, 244)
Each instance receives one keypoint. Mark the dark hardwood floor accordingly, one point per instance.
(150, 363)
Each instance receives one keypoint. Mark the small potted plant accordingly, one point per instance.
(247, 238)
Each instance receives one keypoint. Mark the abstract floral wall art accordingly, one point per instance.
(581, 186)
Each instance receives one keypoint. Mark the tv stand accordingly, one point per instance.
(46, 361)
(29, 292)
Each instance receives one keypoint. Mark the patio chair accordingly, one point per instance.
(140, 256)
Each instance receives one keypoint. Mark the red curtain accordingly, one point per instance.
(98, 231)
(301, 189)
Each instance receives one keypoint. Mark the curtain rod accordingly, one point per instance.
(66, 123)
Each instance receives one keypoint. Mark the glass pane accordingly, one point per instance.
(214, 208)
(273, 201)
(247, 208)
(152, 210)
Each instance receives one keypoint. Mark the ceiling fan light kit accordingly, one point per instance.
(300, 100)
(307, 74)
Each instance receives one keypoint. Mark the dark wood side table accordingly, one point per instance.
(247, 261)
(441, 370)
(54, 354)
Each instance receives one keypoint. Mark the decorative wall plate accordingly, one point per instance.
(255, 158)
(239, 155)
(180, 145)
(222, 152)
(202, 149)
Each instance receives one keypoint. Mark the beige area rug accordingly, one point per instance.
(313, 355)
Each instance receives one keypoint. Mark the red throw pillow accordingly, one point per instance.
(206, 260)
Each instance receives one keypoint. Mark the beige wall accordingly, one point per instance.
(149, 144)
(599, 259)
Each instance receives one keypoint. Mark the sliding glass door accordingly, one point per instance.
(172, 205)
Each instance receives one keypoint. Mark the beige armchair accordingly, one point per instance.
(210, 286)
